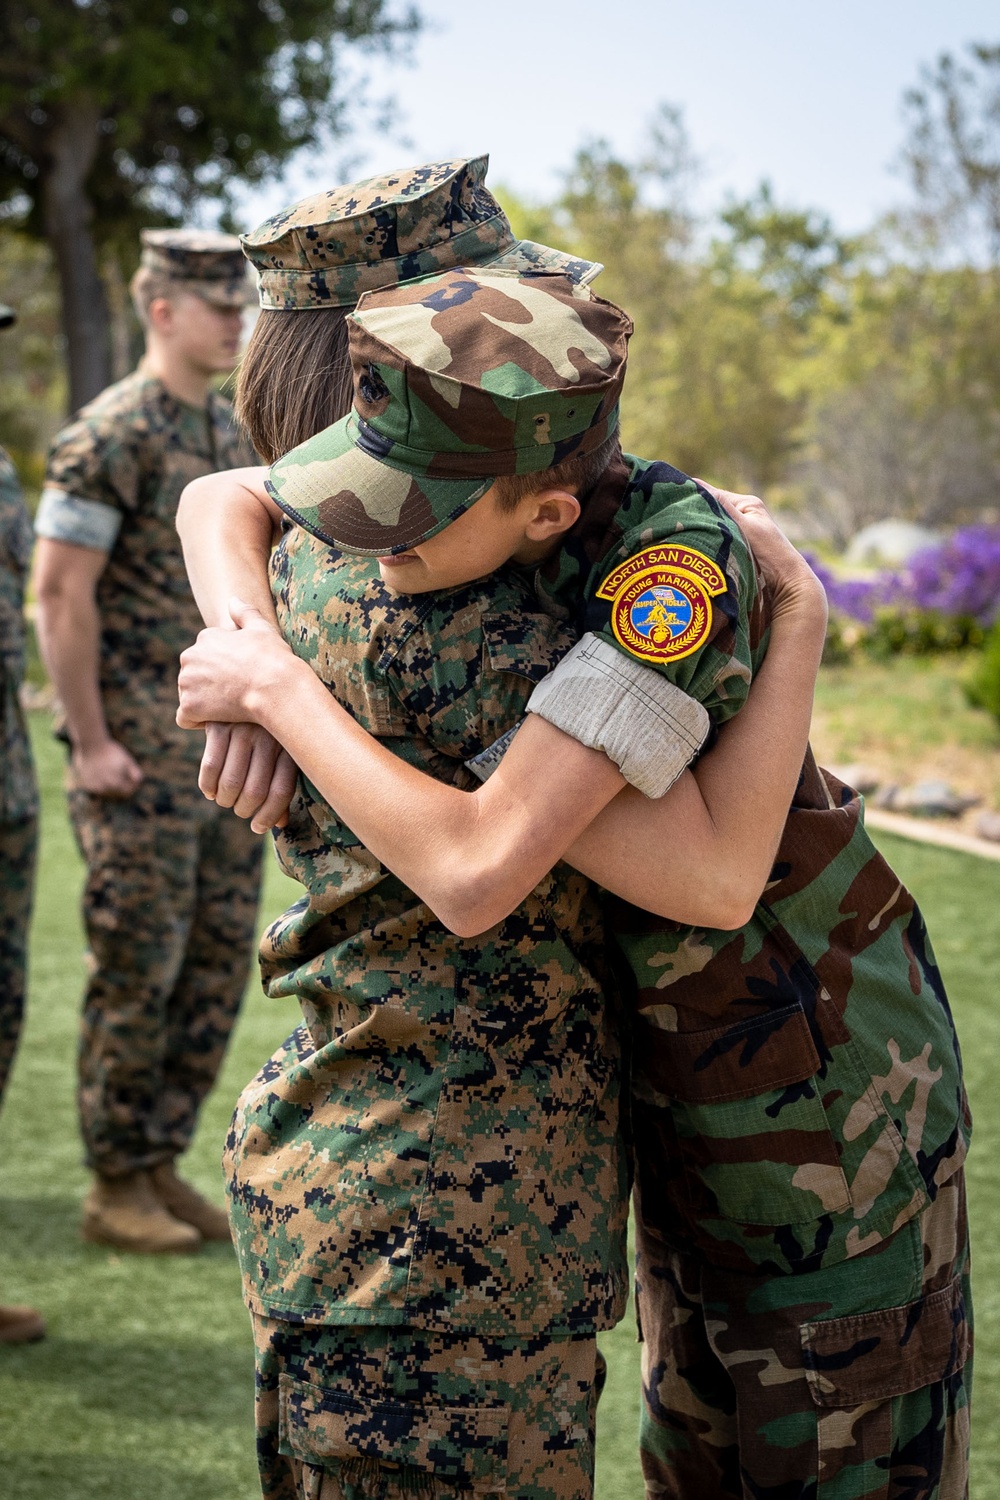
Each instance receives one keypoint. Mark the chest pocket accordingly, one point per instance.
(519, 650)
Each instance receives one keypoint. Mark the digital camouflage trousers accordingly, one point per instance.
(394, 1413)
(169, 907)
(848, 1383)
(18, 846)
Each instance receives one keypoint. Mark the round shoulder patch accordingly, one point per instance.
(661, 601)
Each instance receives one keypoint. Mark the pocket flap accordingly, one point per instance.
(525, 644)
(451, 1441)
(874, 1356)
(731, 1062)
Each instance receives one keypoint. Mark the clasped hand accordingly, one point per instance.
(227, 680)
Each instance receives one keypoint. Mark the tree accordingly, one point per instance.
(953, 150)
(904, 397)
(793, 253)
(119, 113)
(719, 325)
(32, 387)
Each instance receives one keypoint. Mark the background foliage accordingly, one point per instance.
(848, 379)
(115, 114)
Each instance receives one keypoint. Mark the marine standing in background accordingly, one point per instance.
(172, 880)
(18, 806)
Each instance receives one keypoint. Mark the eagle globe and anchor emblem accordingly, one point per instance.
(661, 614)
(661, 601)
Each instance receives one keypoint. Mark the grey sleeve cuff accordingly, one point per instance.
(648, 726)
(86, 523)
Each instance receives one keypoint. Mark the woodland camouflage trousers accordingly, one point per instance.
(18, 844)
(169, 906)
(395, 1413)
(848, 1383)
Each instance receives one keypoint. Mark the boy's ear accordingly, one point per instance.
(553, 512)
(161, 314)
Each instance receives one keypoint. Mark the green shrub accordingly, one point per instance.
(983, 687)
(918, 632)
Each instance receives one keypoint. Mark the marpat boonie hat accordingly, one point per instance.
(330, 248)
(458, 379)
(205, 260)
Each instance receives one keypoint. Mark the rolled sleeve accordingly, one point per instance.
(648, 726)
(68, 518)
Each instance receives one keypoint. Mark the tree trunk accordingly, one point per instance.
(122, 322)
(67, 214)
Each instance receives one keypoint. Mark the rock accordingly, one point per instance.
(932, 799)
(886, 796)
(889, 542)
(988, 826)
(863, 779)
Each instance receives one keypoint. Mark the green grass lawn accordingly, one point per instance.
(143, 1389)
(908, 719)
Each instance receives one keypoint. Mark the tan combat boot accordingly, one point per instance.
(126, 1212)
(185, 1203)
(20, 1325)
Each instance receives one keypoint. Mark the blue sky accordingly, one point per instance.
(807, 95)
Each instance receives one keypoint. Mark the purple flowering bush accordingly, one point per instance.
(959, 578)
(945, 598)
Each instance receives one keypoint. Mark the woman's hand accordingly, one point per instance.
(244, 767)
(235, 676)
(792, 583)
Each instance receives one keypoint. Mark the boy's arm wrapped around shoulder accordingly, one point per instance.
(648, 726)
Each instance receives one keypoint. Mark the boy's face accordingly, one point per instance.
(485, 537)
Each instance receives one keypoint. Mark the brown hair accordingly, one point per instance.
(577, 474)
(295, 377)
(146, 285)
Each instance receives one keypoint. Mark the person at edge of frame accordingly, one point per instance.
(427, 1188)
(904, 1207)
(171, 892)
(18, 808)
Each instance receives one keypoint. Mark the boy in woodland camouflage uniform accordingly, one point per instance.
(799, 1114)
(18, 806)
(803, 1273)
(172, 883)
(428, 1188)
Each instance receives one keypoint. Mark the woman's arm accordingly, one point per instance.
(725, 818)
(473, 857)
(729, 813)
(228, 524)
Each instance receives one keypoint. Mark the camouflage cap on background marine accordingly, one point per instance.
(207, 262)
(330, 248)
(458, 379)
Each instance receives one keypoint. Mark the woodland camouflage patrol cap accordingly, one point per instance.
(458, 379)
(207, 262)
(328, 249)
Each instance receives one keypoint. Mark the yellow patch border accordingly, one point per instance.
(690, 572)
